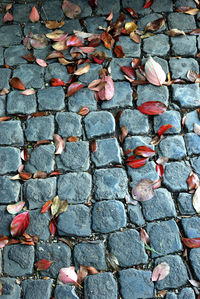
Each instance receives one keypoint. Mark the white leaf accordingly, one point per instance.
(196, 200)
(154, 72)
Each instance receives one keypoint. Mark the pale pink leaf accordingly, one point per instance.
(107, 92)
(8, 17)
(68, 275)
(160, 272)
(196, 200)
(194, 282)
(60, 143)
(143, 190)
(197, 129)
(15, 208)
(28, 92)
(154, 72)
(41, 62)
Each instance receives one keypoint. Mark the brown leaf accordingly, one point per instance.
(29, 57)
(135, 63)
(3, 241)
(132, 12)
(155, 25)
(70, 9)
(144, 236)
(72, 139)
(17, 83)
(93, 146)
(54, 24)
(81, 274)
(119, 52)
(43, 264)
(107, 92)
(175, 32)
(82, 70)
(143, 190)
(4, 91)
(57, 35)
(107, 40)
(4, 118)
(124, 133)
(38, 41)
(191, 242)
(112, 261)
(40, 175)
(135, 37)
(160, 272)
(196, 200)
(192, 11)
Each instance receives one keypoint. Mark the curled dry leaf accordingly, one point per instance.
(148, 3)
(132, 12)
(82, 70)
(46, 206)
(57, 35)
(135, 37)
(154, 72)
(17, 83)
(43, 264)
(73, 88)
(3, 241)
(112, 261)
(192, 76)
(40, 175)
(107, 40)
(54, 24)
(107, 92)
(83, 271)
(4, 118)
(130, 27)
(25, 175)
(175, 32)
(4, 91)
(119, 51)
(124, 133)
(38, 41)
(60, 144)
(197, 129)
(191, 242)
(28, 92)
(196, 200)
(15, 208)
(143, 190)
(8, 17)
(152, 108)
(41, 62)
(19, 224)
(160, 272)
(194, 283)
(155, 25)
(55, 54)
(72, 139)
(129, 71)
(68, 275)
(137, 163)
(193, 181)
(144, 151)
(70, 9)
(160, 170)
(34, 15)
(164, 128)
(84, 111)
(29, 57)
(195, 31)
(144, 236)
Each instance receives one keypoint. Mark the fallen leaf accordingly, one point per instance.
(68, 275)
(148, 3)
(137, 163)
(83, 70)
(55, 172)
(57, 82)
(40, 175)
(119, 52)
(55, 205)
(29, 57)
(195, 31)
(130, 200)
(8, 17)
(72, 139)
(38, 114)
(154, 72)
(43, 264)
(196, 200)
(131, 158)
(15, 208)
(25, 175)
(28, 92)
(19, 224)
(129, 71)
(143, 190)
(160, 272)
(192, 76)
(62, 207)
(110, 16)
(192, 11)
(57, 35)
(112, 260)
(93, 3)
(41, 62)
(84, 111)
(152, 108)
(130, 27)
(17, 83)
(52, 227)
(135, 63)
(81, 273)
(34, 15)
(107, 92)
(197, 129)
(25, 154)
(46, 206)
(144, 236)
(191, 242)
(175, 32)
(74, 41)
(38, 41)
(73, 88)
(93, 146)
(164, 128)
(70, 9)
(144, 151)
(54, 24)
(8, 6)
(192, 181)
(135, 37)
(60, 144)
(194, 283)
(155, 25)
(55, 54)
(3, 241)
(132, 12)
(160, 170)
(107, 40)
(4, 91)
(124, 133)
(4, 118)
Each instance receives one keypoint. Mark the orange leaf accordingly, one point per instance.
(107, 40)
(17, 83)
(25, 175)
(43, 264)
(72, 139)
(84, 111)
(46, 206)
(191, 242)
(34, 15)
(19, 224)
(57, 82)
(3, 241)
(119, 52)
(4, 118)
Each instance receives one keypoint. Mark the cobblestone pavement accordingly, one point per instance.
(98, 221)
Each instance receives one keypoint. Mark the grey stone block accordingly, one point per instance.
(71, 25)
(194, 257)
(83, 98)
(86, 10)
(18, 260)
(110, 183)
(78, 162)
(137, 5)
(135, 215)
(132, 119)
(40, 128)
(115, 66)
(65, 291)
(172, 147)
(2, 105)
(93, 73)
(152, 93)
(156, 45)
(168, 117)
(191, 227)
(41, 159)
(195, 162)
(39, 225)
(191, 118)
(9, 190)
(108, 216)
(192, 142)
(164, 6)
(69, 124)
(1, 56)
(160, 206)
(130, 244)
(123, 96)
(180, 67)
(164, 237)
(181, 21)
(186, 293)
(100, 286)
(92, 24)
(75, 187)
(89, 254)
(187, 96)
(184, 45)
(39, 288)
(9, 159)
(56, 70)
(190, 3)
(185, 206)
(52, 98)
(129, 47)
(0, 263)
(31, 75)
(39, 191)
(136, 284)
(148, 171)
(10, 35)
(108, 152)
(6, 220)
(79, 224)
(175, 176)
(99, 123)
(13, 54)
(19, 103)
(52, 10)
(174, 279)
(11, 133)
(171, 295)
(21, 12)
(10, 290)
(105, 7)
(35, 28)
(59, 253)
(4, 78)
(142, 22)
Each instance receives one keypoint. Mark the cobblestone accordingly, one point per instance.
(83, 98)
(52, 98)
(69, 124)
(31, 75)
(156, 45)
(129, 48)
(18, 103)
(190, 227)
(180, 67)
(135, 215)
(4, 78)
(131, 120)
(168, 117)
(192, 142)
(191, 119)
(65, 291)
(10, 35)
(39, 225)
(9, 159)
(40, 128)
(172, 147)
(13, 55)
(39, 288)
(147, 93)
(10, 290)
(186, 95)
(183, 45)
(6, 220)
(11, 133)
(185, 204)
(9, 190)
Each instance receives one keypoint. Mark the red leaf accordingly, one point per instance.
(34, 15)
(3, 241)
(130, 158)
(152, 108)
(128, 151)
(55, 172)
(144, 151)
(74, 41)
(8, 17)
(191, 242)
(119, 52)
(160, 272)
(57, 82)
(93, 146)
(25, 175)
(148, 3)
(46, 206)
(160, 170)
(19, 224)
(137, 163)
(132, 12)
(129, 71)
(107, 40)
(164, 128)
(52, 227)
(84, 111)
(192, 181)
(135, 62)
(73, 88)
(17, 83)
(144, 236)
(43, 264)
(70, 9)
